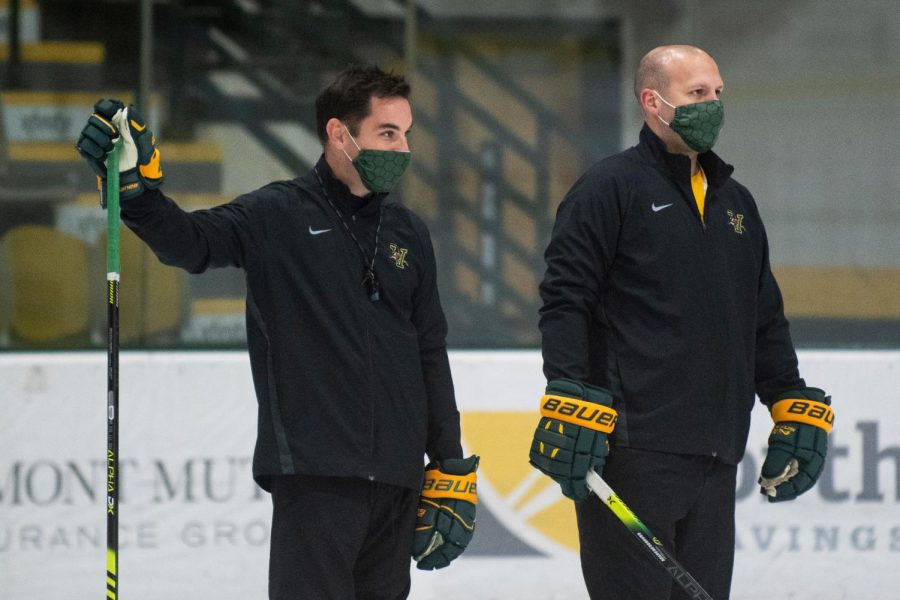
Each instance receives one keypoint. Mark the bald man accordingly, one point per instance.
(659, 305)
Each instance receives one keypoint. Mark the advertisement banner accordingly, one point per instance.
(192, 519)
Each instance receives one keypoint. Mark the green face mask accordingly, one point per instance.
(698, 124)
(379, 170)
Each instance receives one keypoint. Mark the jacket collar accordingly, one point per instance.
(322, 176)
(678, 166)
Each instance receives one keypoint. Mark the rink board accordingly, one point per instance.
(192, 518)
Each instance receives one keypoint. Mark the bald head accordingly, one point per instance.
(655, 69)
(669, 77)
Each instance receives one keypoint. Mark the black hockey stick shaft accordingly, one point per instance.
(646, 537)
(112, 374)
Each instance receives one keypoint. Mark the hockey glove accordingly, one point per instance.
(571, 435)
(139, 164)
(446, 517)
(798, 443)
(98, 136)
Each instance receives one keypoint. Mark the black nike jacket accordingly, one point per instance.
(679, 317)
(345, 386)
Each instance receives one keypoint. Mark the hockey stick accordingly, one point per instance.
(645, 536)
(112, 373)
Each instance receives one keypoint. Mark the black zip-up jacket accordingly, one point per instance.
(680, 318)
(345, 386)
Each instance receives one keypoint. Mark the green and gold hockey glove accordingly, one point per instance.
(445, 521)
(97, 139)
(571, 436)
(139, 164)
(798, 443)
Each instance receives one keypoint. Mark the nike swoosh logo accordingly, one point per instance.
(659, 208)
(317, 231)
(136, 126)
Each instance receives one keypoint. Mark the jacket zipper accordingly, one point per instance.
(716, 439)
(367, 306)
(371, 367)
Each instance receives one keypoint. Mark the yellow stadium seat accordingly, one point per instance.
(45, 298)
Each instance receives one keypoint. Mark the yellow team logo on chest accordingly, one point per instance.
(736, 221)
(398, 255)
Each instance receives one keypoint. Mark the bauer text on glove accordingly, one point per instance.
(445, 520)
(571, 436)
(798, 443)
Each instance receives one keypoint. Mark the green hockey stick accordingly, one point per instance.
(112, 371)
(645, 536)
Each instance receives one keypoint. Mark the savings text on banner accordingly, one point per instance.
(192, 516)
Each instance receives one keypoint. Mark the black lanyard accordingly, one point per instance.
(369, 279)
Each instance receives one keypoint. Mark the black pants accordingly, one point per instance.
(340, 539)
(687, 501)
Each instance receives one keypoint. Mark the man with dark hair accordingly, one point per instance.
(347, 98)
(346, 338)
(659, 303)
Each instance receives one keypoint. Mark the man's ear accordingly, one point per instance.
(335, 131)
(649, 101)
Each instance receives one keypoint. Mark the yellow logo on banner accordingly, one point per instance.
(529, 502)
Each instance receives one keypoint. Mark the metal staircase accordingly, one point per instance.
(489, 266)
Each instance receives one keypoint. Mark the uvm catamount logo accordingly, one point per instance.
(530, 505)
(737, 222)
(398, 255)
